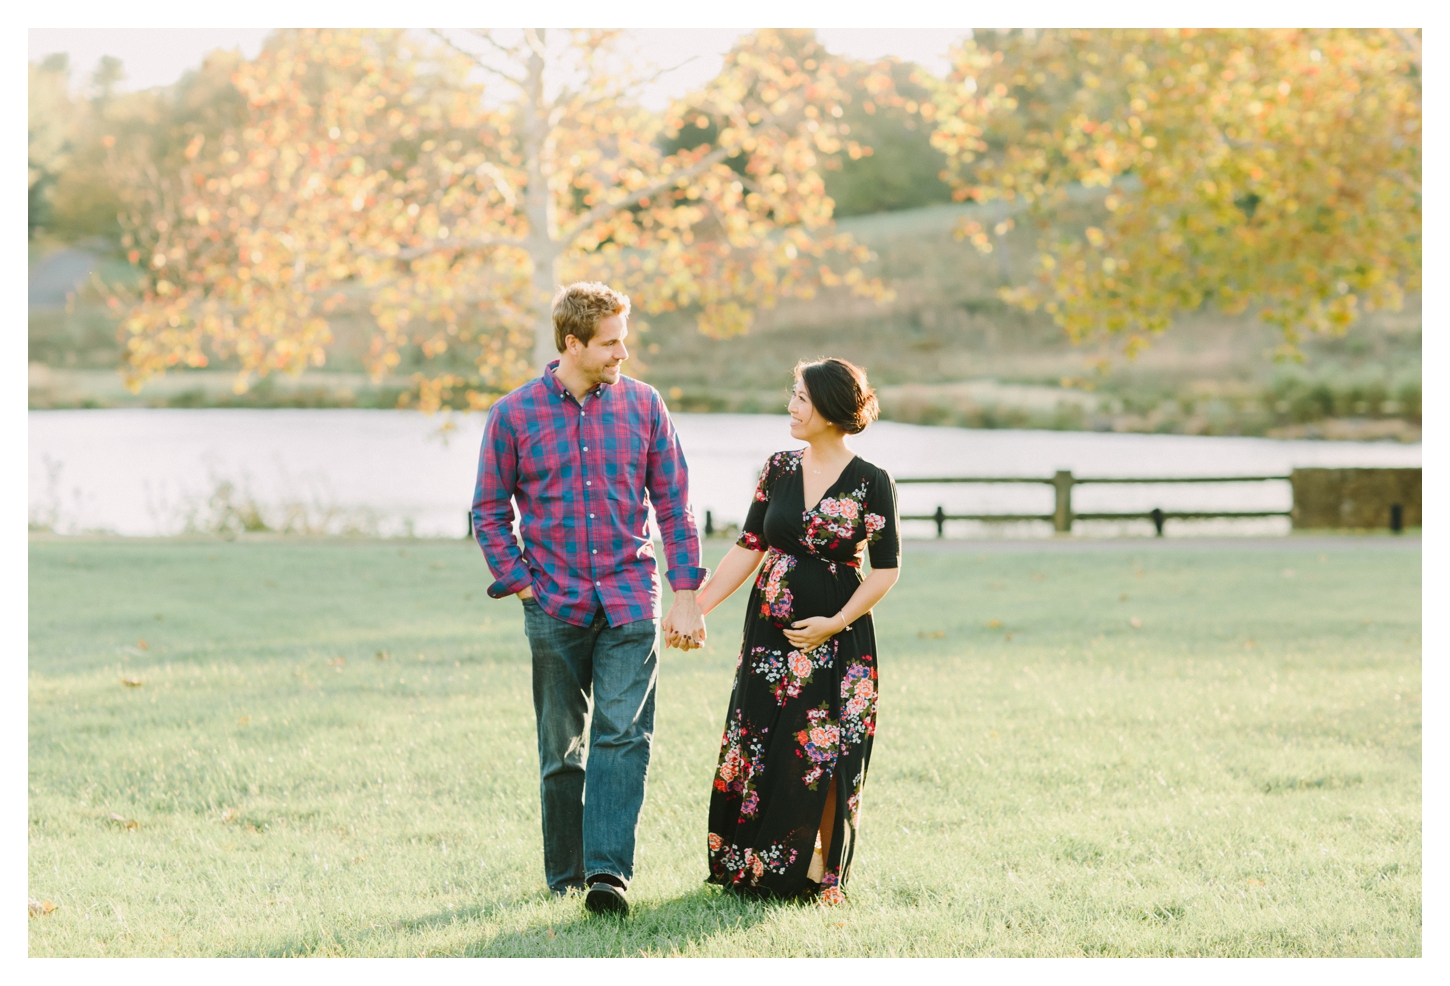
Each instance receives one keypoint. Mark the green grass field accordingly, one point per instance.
(1165, 750)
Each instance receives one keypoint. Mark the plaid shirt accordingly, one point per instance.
(584, 478)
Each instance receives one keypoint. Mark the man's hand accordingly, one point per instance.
(525, 593)
(684, 624)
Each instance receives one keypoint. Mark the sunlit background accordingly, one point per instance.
(1035, 245)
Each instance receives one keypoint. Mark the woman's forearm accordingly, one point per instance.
(872, 590)
(737, 566)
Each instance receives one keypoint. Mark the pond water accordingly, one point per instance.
(151, 472)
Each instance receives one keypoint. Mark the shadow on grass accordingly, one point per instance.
(652, 928)
(668, 927)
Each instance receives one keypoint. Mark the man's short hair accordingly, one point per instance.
(580, 307)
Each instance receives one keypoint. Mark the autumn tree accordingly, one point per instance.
(50, 132)
(1277, 170)
(370, 159)
(895, 165)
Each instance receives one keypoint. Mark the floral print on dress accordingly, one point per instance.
(742, 761)
(858, 703)
(775, 597)
(814, 714)
(820, 744)
(832, 522)
(853, 803)
(874, 524)
(747, 865)
(789, 671)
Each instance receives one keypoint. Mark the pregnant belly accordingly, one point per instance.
(793, 587)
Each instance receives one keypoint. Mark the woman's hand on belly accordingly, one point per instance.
(811, 632)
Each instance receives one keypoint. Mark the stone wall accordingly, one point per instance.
(1360, 498)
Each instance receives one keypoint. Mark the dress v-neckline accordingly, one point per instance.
(801, 462)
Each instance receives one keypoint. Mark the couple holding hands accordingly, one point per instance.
(584, 452)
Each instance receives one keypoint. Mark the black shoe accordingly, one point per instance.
(605, 898)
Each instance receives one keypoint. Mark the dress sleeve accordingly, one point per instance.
(882, 522)
(752, 532)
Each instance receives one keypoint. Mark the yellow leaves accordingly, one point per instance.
(1094, 236)
(443, 262)
(1228, 152)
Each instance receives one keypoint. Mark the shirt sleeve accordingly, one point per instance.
(493, 509)
(668, 482)
(752, 532)
(882, 522)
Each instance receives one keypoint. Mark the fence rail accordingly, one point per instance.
(1062, 514)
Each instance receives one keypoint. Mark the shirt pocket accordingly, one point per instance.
(625, 465)
(547, 463)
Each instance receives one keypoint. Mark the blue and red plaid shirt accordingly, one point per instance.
(584, 478)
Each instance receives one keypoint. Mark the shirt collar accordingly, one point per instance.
(552, 381)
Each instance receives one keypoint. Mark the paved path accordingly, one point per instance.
(1306, 542)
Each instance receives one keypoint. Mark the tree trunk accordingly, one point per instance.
(543, 249)
(546, 281)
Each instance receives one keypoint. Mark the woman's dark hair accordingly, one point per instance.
(840, 392)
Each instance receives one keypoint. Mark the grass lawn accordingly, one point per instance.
(1179, 750)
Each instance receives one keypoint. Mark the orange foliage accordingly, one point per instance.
(370, 164)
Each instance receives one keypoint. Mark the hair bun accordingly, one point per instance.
(840, 392)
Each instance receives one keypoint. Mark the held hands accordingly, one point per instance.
(684, 625)
(811, 632)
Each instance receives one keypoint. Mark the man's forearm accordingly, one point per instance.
(503, 556)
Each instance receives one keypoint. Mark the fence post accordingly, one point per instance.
(709, 524)
(941, 519)
(1062, 506)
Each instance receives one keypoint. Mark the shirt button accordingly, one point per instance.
(586, 448)
(596, 583)
(591, 516)
(588, 482)
(595, 551)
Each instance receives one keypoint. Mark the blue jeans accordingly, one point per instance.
(591, 798)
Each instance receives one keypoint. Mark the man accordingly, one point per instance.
(584, 452)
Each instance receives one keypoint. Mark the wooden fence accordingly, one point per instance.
(1394, 515)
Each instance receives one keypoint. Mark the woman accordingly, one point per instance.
(787, 794)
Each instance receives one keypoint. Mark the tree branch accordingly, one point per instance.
(599, 212)
(719, 154)
(474, 58)
(475, 243)
(487, 35)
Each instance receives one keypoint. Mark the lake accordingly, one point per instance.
(149, 472)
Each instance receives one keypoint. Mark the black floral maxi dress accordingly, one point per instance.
(798, 720)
